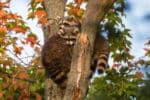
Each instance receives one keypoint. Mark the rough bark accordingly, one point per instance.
(78, 78)
(53, 8)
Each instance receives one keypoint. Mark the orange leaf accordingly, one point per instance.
(42, 21)
(38, 1)
(80, 12)
(73, 10)
(32, 40)
(2, 14)
(3, 29)
(40, 13)
(15, 16)
(1, 94)
(1, 5)
(2, 39)
(23, 75)
(18, 30)
(9, 16)
(38, 97)
(18, 50)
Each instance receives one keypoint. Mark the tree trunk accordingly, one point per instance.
(80, 67)
(53, 8)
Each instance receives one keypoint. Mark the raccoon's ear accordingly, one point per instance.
(70, 18)
(56, 20)
(76, 31)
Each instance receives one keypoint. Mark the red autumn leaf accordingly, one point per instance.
(139, 74)
(5, 85)
(20, 86)
(32, 40)
(23, 75)
(40, 13)
(18, 50)
(78, 1)
(130, 64)
(18, 30)
(116, 65)
(24, 95)
(7, 1)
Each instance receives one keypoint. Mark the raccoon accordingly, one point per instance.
(57, 51)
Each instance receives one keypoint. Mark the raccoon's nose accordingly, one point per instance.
(62, 27)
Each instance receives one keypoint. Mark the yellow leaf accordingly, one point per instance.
(80, 12)
(2, 50)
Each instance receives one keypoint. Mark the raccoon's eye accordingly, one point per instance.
(66, 24)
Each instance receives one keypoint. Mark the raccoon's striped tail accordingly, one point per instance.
(102, 63)
(99, 64)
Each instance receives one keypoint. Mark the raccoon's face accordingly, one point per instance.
(69, 29)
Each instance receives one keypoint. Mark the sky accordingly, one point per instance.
(137, 20)
(21, 8)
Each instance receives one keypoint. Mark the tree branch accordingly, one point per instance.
(11, 76)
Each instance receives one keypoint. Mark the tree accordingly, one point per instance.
(16, 72)
(84, 43)
(25, 80)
